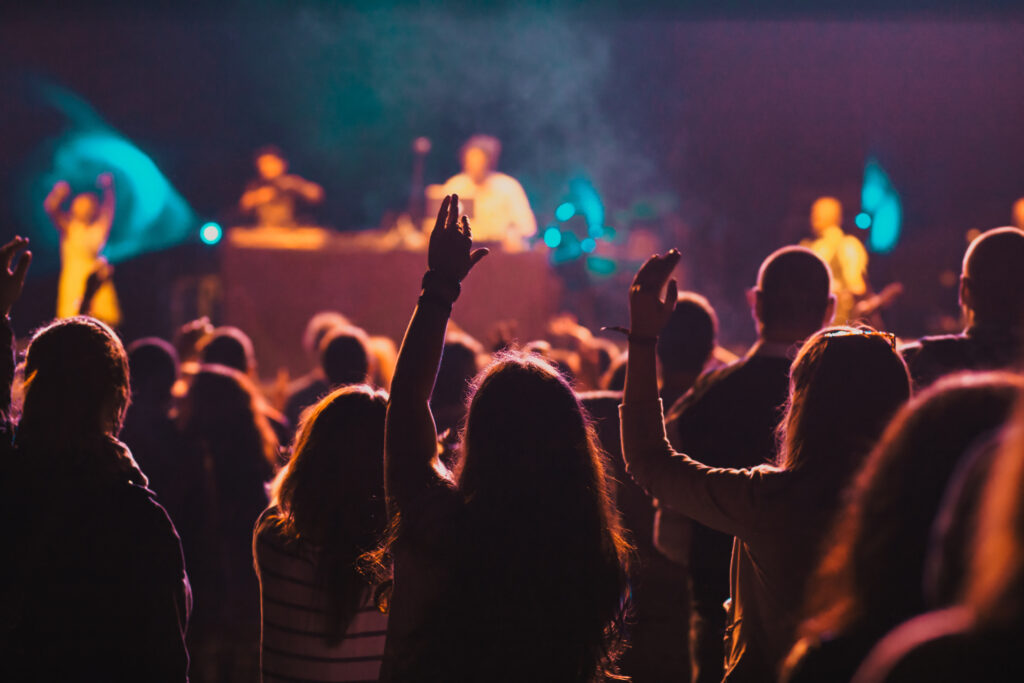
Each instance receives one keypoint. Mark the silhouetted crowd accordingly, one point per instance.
(834, 506)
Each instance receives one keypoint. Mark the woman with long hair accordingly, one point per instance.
(513, 567)
(93, 584)
(319, 621)
(845, 385)
(979, 638)
(871, 576)
(231, 452)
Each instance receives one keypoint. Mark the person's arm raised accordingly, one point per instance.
(11, 283)
(109, 201)
(410, 437)
(719, 498)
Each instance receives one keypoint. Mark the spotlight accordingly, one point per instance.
(211, 233)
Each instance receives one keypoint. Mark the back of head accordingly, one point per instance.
(457, 369)
(845, 386)
(154, 369)
(793, 290)
(995, 586)
(873, 572)
(223, 409)
(76, 385)
(331, 493)
(532, 468)
(687, 340)
(345, 356)
(230, 347)
(993, 277)
(318, 327)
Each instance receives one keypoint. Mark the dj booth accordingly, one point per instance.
(274, 280)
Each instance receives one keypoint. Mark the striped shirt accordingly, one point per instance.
(293, 615)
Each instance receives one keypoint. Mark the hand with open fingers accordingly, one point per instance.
(450, 253)
(648, 312)
(12, 280)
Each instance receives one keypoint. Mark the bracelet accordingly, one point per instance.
(630, 337)
(438, 285)
(433, 299)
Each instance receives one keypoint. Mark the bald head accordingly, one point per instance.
(992, 281)
(793, 295)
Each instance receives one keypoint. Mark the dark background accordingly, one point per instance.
(715, 126)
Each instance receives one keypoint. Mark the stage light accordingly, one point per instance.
(601, 266)
(211, 233)
(565, 211)
(588, 245)
(863, 221)
(879, 199)
(553, 237)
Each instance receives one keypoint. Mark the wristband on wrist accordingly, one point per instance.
(437, 285)
(632, 338)
(432, 299)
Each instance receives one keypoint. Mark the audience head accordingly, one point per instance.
(826, 212)
(993, 278)
(188, 337)
(224, 409)
(318, 327)
(330, 495)
(995, 587)
(873, 571)
(793, 297)
(76, 385)
(154, 369)
(270, 162)
(1018, 214)
(230, 347)
(345, 356)
(480, 156)
(457, 369)
(688, 339)
(845, 385)
(531, 466)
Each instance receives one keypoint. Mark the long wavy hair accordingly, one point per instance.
(845, 385)
(541, 567)
(995, 585)
(329, 498)
(76, 388)
(871, 575)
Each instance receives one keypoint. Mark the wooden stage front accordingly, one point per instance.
(273, 283)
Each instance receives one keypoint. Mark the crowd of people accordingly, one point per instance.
(833, 506)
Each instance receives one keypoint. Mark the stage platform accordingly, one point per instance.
(273, 283)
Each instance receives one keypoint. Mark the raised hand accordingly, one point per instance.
(450, 253)
(11, 281)
(648, 313)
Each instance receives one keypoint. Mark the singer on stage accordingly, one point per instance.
(272, 196)
(844, 254)
(84, 229)
(495, 202)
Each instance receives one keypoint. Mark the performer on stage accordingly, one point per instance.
(84, 229)
(272, 196)
(844, 254)
(495, 202)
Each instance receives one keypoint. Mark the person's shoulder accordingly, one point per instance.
(503, 180)
(457, 183)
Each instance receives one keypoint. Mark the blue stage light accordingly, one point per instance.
(553, 237)
(588, 245)
(565, 211)
(863, 221)
(211, 233)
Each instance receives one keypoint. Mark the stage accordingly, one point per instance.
(273, 283)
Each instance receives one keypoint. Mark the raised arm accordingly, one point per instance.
(109, 201)
(724, 499)
(60, 192)
(410, 437)
(11, 282)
